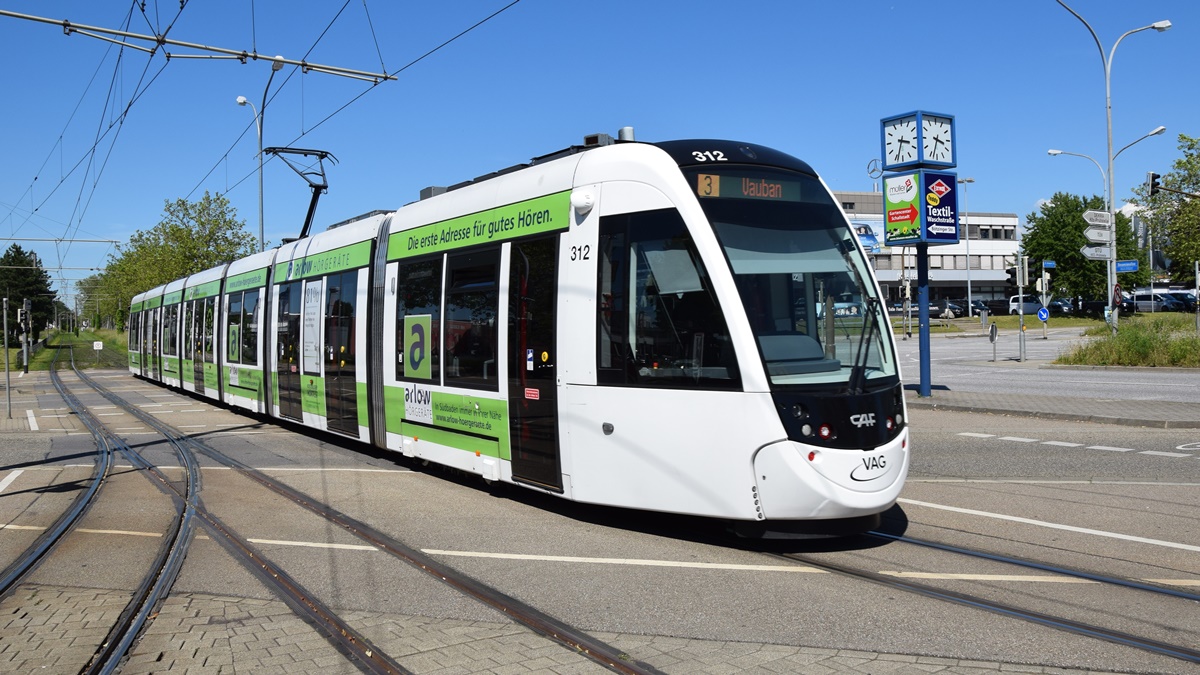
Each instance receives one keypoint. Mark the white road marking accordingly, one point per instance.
(33, 425)
(975, 435)
(1105, 447)
(1062, 444)
(1175, 582)
(10, 478)
(121, 532)
(1164, 454)
(313, 544)
(1055, 526)
(1046, 579)
(1018, 439)
(628, 561)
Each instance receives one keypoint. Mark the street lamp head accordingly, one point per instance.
(241, 100)
(966, 180)
(1160, 26)
(1157, 130)
(277, 62)
(1054, 153)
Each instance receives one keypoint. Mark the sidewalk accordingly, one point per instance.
(1158, 414)
(1143, 413)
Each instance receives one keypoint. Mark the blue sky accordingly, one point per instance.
(810, 78)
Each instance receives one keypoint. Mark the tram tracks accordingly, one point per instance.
(167, 562)
(980, 600)
(307, 605)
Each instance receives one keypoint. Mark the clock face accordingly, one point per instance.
(900, 141)
(937, 141)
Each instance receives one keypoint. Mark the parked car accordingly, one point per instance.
(946, 309)
(979, 307)
(1032, 305)
(1151, 302)
(997, 307)
(1188, 299)
(1061, 307)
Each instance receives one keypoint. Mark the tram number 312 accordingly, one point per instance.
(581, 252)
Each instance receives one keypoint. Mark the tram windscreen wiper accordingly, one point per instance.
(858, 371)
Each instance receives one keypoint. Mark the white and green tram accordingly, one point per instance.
(686, 326)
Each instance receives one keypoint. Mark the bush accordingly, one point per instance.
(1162, 340)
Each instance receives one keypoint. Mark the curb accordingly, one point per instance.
(1072, 417)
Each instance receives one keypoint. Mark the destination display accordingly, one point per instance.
(744, 186)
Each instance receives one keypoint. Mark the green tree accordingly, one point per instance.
(21, 277)
(1055, 233)
(190, 238)
(1174, 219)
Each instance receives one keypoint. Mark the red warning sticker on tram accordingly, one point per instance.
(533, 394)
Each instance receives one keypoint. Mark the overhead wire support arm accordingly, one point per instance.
(159, 40)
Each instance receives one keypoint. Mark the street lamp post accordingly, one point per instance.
(1105, 180)
(967, 238)
(1159, 26)
(276, 65)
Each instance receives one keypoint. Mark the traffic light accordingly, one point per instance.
(1012, 276)
(20, 321)
(1152, 186)
(1023, 271)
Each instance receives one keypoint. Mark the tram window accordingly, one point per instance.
(210, 305)
(234, 343)
(250, 328)
(135, 333)
(472, 299)
(189, 347)
(419, 296)
(242, 346)
(170, 330)
(659, 324)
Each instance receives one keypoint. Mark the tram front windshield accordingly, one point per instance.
(805, 286)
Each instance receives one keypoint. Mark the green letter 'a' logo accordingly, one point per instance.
(417, 334)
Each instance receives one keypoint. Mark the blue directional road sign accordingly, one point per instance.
(1043, 314)
(1127, 265)
(1048, 265)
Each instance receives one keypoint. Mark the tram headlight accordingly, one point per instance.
(825, 432)
(798, 411)
(806, 430)
(890, 424)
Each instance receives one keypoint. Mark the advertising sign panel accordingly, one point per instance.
(921, 207)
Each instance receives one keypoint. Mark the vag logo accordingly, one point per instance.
(863, 420)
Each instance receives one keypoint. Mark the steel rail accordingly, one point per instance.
(20, 568)
(169, 559)
(1045, 567)
(1119, 637)
(352, 643)
(534, 619)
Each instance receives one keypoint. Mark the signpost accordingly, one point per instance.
(1098, 235)
(1094, 217)
(1127, 265)
(1095, 252)
(992, 338)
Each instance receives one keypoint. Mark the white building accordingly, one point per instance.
(991, 239)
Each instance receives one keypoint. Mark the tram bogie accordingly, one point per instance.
(686, 327)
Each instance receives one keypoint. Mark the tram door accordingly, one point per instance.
(532, 392)
(288, 359)
(200, 331)
(187, 346)
(341, 389)
(144, 321)
(152, 341)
